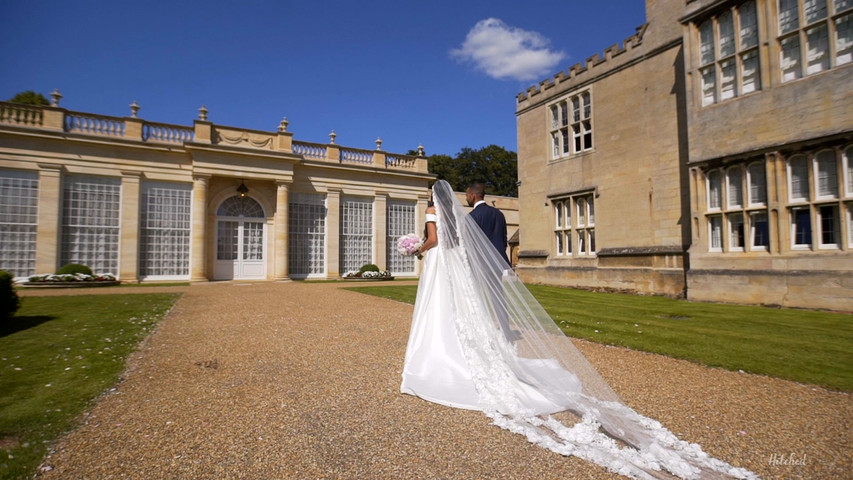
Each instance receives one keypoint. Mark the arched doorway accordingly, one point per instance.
(241, 233)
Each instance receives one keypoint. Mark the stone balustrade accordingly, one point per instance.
(53, 118)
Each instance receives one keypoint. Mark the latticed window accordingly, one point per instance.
(18, 222)
(574, 225)
(164, 230)
(728, 54)
(356, 233)
(814, 36)
(401, 221)
(819, 200)
(307, 235)
(91, 210)
(744, 219)
(571, 125)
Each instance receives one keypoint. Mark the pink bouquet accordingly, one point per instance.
(409, 244)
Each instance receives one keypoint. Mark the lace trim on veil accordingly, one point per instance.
(516, 352)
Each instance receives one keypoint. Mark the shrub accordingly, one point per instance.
(368, 267)
(9, 301)
(73, 268)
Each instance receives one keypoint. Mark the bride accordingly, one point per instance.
(480, 341)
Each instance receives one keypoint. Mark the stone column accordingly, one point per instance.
(282, 204)
(198, 263)
(333, 233)
(49, 217)
(380, 230)
(129, 236)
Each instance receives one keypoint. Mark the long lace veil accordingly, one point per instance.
(525, 369)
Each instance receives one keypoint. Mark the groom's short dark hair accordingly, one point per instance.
(478, 189)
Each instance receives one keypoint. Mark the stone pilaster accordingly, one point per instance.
(282, 204)
(333, 233)
(50, 210)
(380, 229)
(129, 237)
(198, 264)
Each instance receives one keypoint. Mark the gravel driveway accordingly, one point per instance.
(295, 380)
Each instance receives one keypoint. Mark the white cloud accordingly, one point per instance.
(507, 52)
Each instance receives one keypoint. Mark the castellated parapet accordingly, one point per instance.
(586, 72)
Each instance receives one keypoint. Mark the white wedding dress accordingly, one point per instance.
(479, 340)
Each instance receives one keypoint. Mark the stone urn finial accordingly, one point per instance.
(282, 127)
(56, 96)
(202, 113)
(134, 109)
(421, 151)
(378, 143)
(332, 137)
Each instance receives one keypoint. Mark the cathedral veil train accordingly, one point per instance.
(479, 340)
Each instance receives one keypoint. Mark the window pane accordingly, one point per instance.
(706, 42)
(841, 5)
(591, 203)
(788, 16)
(727, 79)
(759, 232)
(564, 109)
(715, 190)
(818, 49)
(576, 133)
(566, 143)
(558, 210)
(587, 105)
(844, 39)
(90, 223)
(356, 234)
(736, 231)
(848, 154)
(576, 109)
(799, 182)
(735, 184)
(591, 240)
(556, 139)
(18, 222)
(727, 33)
(587, 135)
(829, 224)
(709, 86)
(757, 184)
(555, 118)
(802, 225)
(814, 10)
(559, 236)
(165, 228)
(581, 204)
(307, 234)
(401, 221)
(715, 232)
(791, 58)
(748, 25)
(751, 71)
(827, 175)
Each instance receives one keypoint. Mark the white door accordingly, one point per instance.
(240, 240)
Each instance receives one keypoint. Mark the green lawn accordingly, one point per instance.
(806, 346)
(56, 356)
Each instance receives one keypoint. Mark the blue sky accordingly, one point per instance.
(441, 73)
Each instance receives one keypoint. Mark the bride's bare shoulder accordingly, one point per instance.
(430, 209)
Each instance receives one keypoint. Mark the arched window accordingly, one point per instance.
(798, 178)
(827, 174)
(757, 183)
(237, 206)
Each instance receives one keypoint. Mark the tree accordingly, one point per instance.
(495, 166)
(30, 98)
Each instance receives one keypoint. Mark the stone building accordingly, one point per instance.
(149, 201)
(708, 156)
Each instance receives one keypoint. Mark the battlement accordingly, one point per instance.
(582, 70)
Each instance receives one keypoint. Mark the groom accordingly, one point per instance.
(490, 219)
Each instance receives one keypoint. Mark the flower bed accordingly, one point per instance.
(71, 280)
(368, 275)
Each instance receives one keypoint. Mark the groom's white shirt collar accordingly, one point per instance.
(478, 203)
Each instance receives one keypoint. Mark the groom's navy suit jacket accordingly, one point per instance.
(493, 224)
